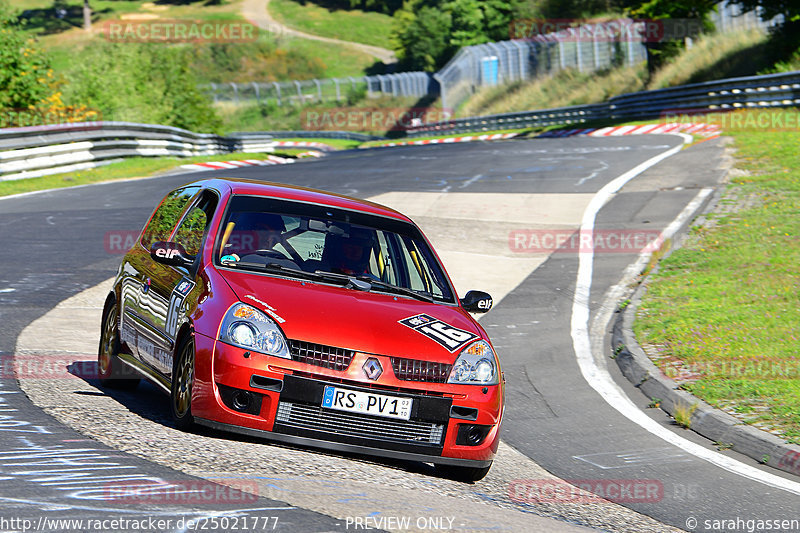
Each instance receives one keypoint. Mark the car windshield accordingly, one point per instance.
(298, 239)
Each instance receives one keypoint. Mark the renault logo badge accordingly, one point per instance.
(372, 369)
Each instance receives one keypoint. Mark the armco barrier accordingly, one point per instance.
(41, 150)
(35, 151)
(772, 90)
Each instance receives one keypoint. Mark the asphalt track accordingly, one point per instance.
(54, 249)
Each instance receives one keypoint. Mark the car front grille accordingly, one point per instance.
(320, 355)
(318, 419)
(417, 370)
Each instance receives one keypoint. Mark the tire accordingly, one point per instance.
(110, 370)
(182, 382)
(467, 474)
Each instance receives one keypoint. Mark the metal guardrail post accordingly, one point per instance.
(319, 90)
(338, 90)
(299, 91)
(278, 92)
(442, 91)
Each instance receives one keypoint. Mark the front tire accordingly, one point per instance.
(110, 370)
(467, 474)
(182, 382)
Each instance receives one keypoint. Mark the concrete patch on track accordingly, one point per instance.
(484, 222)
(340, 486)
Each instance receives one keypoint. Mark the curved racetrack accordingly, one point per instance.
(481, 204)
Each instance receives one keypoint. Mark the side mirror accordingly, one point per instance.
(476, 302)
(170, 253)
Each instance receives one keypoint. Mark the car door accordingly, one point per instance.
(171, 286)
(141, 310)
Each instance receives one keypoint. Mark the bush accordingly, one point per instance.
(138, 82)
(25, 76)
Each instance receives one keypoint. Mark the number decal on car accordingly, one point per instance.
(179, 293)
(448, 336)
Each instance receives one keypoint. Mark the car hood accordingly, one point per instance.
(368, 322)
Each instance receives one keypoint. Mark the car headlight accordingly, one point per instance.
(247, 327)
(475, 365)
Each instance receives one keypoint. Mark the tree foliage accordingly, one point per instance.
(659, 52)
(769, 9)
(429, 32)
(26, 79)
(140, 82)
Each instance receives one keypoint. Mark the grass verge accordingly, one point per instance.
(367, 27)
(129, 168)
(409, 140)
(722, 314)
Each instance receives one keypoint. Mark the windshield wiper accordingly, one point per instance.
(361, 282)
(394, 288)
(352, 281)
(355, 282)
(275, 267)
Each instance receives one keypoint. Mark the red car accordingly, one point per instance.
(305, 317)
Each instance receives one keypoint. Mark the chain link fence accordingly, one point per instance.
(411, 84)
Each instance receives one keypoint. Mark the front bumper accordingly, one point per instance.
(281, 400)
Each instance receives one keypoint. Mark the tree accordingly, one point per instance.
(769, 9)
(25, 76)
(672, 11)
(785, 40)
(87, 16)
(429, 32)
(423, 38)
(467, 23)
(141, 82)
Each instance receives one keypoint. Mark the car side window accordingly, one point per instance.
(193, 227)
(166, 216)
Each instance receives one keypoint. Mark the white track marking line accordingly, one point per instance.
(601, 381)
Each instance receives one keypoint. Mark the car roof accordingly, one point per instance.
(300, 194)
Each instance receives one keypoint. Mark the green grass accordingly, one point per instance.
(339, 144)
(129, 168)
(288, 58)
(715, 56)
(367, 27)
(726, 306)
(338, 61)
(566, 87)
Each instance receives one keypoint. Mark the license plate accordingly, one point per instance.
(367, 403)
